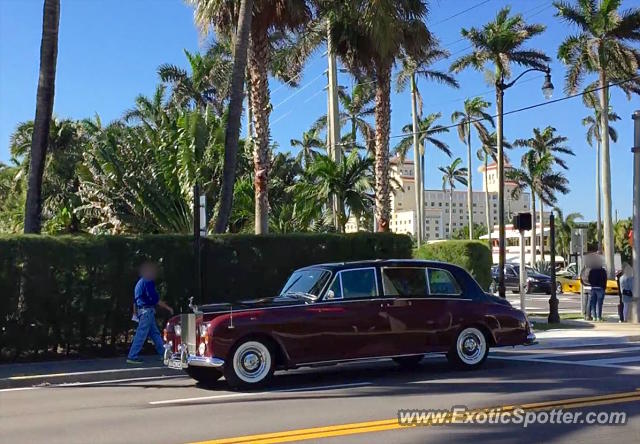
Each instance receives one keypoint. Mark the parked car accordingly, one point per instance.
(536, 282)
(331, 313)
(570, 281)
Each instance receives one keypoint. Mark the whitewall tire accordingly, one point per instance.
(470, 349)
(251, 365)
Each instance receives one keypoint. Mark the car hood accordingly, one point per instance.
(275, 301)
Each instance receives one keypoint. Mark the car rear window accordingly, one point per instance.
(404, 282)
(441, 282)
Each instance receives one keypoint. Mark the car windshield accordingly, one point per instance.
(306, 284)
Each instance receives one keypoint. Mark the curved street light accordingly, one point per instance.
(501, 86)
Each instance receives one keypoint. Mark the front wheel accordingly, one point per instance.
(558, 288)
(470, 349)
(252, 365)
(203, 375)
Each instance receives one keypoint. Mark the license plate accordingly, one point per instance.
(175, 364)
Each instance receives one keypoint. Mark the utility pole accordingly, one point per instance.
(554, 316)
(333, 113)
(634, 313)
(416, 159)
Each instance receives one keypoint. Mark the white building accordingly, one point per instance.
(436, 203)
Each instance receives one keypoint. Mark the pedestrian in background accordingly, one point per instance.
(146, 299)
(591, 302)
(626, 287)
(595, 276)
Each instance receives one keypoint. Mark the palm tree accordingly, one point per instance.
(269, 17)
(410, 70)
(486, 152)
(232, 131)
(602, 47)
(543, 143)
(426, 130)
(535, 173)
(500, 43)
(369, 36)
(208, 83)
(44, 110)
(309, 143)
(349, 180)
(564, 227)
(473, 113)
(356, 109)
(450, 175)
(592, 123)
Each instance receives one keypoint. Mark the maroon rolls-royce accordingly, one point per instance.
(328, 313)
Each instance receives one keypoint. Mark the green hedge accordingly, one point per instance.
(473, 256)
(73, 295)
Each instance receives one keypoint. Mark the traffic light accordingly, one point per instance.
(522, 221)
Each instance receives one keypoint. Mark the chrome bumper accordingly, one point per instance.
(531, 339)
(183, 359)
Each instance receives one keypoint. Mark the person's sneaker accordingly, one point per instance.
(134, 361)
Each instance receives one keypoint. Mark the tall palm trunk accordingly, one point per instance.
(486, 200)
(382, 119)
(232, 132)
(416, 158)
(542, 243)
(258, 63)
(533, 229)
(450, 211)
(598, 199)
(44, 110)
(606, 176)
(469, 184)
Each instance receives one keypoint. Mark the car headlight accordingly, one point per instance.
(202, 348)
(177, 329)
(203, 329)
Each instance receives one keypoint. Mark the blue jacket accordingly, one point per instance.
(145, 294)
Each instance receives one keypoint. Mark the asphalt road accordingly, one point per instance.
(346, 403)
(568, 303)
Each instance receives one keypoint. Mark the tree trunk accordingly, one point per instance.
(416, 157)
(542, 244)
(382, 119)
(469, 185)
(44, 110)
(451, 212)
(598, 199)
(421, 184)
(486, 200)
(532, 259)
(258, 63)
(232, 132)
(501, 229)
(608, 244)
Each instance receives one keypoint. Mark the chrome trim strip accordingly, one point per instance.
(203, 361)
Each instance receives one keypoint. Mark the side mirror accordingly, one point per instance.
(330, 295)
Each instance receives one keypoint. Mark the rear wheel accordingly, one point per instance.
(203, 375)
(408, 362)
(252, 364)
(469, 350)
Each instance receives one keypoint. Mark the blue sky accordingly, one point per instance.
(109, 51)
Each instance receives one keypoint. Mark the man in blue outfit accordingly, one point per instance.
(146, 299)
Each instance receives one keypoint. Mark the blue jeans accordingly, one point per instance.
(146, 327)
(596, 300)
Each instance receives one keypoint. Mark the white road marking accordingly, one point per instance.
(543, 353)
(244, 395)
(485, 381)
(605, 361)
(82, 384)
(91, 372)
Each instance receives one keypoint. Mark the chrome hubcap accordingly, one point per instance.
(252, 361)
(471, 346)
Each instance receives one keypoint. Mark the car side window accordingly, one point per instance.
(358, 283)
(441, 282)
(404, 282)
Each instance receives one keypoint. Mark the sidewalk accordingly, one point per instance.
(578, 332)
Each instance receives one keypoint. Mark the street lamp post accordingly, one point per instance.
(635, 306)
(547, 91)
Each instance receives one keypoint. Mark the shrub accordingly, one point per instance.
(473, 256)
(73, 294)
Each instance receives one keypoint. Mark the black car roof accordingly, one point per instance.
(338, 266)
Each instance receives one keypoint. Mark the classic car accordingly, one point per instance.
(332, 313)
(536, 282)
(568, 278)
